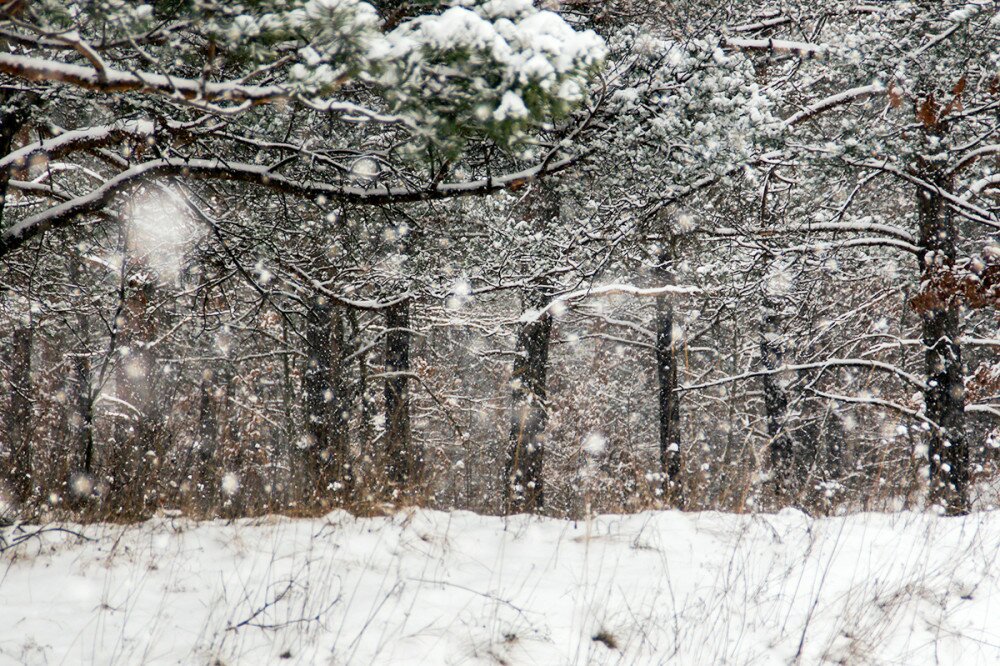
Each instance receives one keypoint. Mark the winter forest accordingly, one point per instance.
(473, 259)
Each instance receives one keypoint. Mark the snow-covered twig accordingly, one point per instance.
(608, 290)
(822, 365)
(776, 45)
(833, 101)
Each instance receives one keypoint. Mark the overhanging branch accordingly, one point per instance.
(260, 175)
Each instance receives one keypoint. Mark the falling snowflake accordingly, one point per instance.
(230, 483)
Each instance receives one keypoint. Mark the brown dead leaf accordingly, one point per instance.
(927, 112)
(895, 97)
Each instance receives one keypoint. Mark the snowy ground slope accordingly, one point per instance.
(439, 588)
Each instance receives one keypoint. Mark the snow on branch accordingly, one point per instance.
(607, 290)
(877, 402)
(936, 39)
(769, 22)
(670, 197)
(197, 92)
(369, 305)
(776, 46)
(973, 156)
(977, 187)
(822, 365)
(214, 169)
(115, 80)
(833, 101)
(860, 226)
(79, 139)
(983, 409)
(959, 205)
(855, 242)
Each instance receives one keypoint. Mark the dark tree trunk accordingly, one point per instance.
(84, 400)
(316, 385)
(944, 395)
(340, 405)
(329, 473)
(783, 463)
(135, 459)
(19, 419)
(666, 374)
(287, 390)
(401, 461)
(82, 393)
(361, 391)
(207, 481)
(208, 418)
(13, 116)
(18, 426)
(6, 137)
(524, 478)
(524, 482)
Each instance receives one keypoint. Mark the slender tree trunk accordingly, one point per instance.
(84, 399)
(340, 405)
(401, 461)
(19, 424)
(735, 465)
(944, 396)
(230, 454)
(783, 463)
(287, 390)
(368, 408)
(666, 373)
(18, 421)
(316, 380)
(82, 393)
(524, 487)
(207, 482)
(288, 457)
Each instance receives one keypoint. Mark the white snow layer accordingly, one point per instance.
(437, 588)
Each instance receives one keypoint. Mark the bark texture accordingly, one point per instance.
(784, 467)
(666, 374)
(328, 465)
(401, 461)
(524, 487)
(944, 395)
(19, 419)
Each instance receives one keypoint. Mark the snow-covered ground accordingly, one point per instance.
(457, 588)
